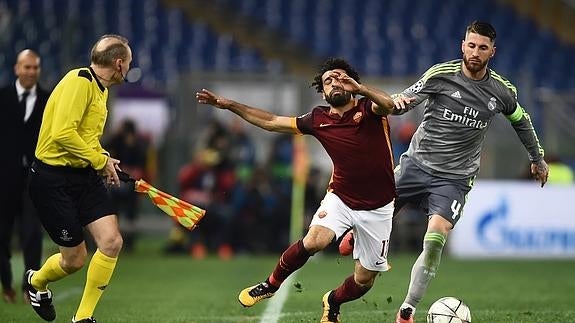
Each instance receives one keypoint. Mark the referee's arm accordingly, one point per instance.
(69, 112)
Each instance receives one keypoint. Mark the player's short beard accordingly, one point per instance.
(338, 99)
(474, 68)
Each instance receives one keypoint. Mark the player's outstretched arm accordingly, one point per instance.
(263, 119)
(382, 102)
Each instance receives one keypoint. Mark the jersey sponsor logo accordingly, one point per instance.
(357, 117)
(467, 118)
(379, 263)
(456, 94)
(492, 105)
(321, 125)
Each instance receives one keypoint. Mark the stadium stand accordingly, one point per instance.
(165, 43)
(402, 38)
(382, 38)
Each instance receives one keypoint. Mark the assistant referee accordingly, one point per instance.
(66, 182)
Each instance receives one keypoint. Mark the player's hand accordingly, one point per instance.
(347, 83)
(401, 101)
(540, 171)
(109, 172)
(207, 97)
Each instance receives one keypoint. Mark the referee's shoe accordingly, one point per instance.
(41, 301)
(88, 320)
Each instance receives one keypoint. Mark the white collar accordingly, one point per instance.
(20, 89)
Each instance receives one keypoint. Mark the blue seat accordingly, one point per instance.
(380, 38)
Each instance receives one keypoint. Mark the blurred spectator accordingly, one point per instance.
(253, 205)
(23, 104)
(560, 173)
(130, 148)
(280, 165)
(242, 151)
(403, 134)
(208, 181)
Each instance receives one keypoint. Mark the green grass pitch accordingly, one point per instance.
(150, 287)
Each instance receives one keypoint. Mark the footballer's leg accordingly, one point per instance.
(291, 260)
(56, 267)
(445, 202)
(425, 267)
(328, 221)
(372, 232)
(109, 241)
(354, 287)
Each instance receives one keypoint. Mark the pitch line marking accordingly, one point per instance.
(274, 307)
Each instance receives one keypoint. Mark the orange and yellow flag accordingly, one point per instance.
(184, 213)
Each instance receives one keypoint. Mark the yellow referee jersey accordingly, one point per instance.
(73, 122)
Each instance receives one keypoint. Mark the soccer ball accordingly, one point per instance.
(448, 309)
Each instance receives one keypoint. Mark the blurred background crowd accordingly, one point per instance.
(264, 53)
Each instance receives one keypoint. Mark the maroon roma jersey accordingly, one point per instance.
(360, 149)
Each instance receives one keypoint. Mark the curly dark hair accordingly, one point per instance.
(332, 64)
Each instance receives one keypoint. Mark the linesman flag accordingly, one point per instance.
(184, 213)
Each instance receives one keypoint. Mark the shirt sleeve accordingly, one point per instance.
(511, 108)
(420, 90)
(521, 123)
(69, 110)
(305, 123)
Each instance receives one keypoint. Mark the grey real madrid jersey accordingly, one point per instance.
(457, 114)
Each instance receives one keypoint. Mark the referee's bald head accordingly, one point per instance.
(109, 48)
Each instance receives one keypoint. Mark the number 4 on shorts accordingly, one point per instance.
(455, 207)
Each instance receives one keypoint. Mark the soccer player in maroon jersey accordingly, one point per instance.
(355, 133)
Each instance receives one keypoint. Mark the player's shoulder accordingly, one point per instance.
(451, 67)
(311, 114)
(317, 114)
(85, 73)
(80, 75)
(319, 109)
(501, 82)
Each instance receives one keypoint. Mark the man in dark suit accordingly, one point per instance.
(21, 107)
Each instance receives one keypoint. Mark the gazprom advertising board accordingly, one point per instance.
(516, 219)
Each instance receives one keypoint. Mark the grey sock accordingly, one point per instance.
(425, 267)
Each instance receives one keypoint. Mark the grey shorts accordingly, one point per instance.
(434, 195)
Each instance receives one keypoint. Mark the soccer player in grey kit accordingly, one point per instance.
(438, 169)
